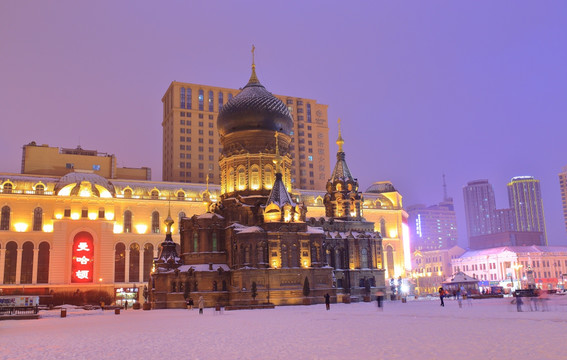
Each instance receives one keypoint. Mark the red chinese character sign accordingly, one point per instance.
(83, 258)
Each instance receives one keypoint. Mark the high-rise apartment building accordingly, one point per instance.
(524, 195)
(433, 227)
(480, 208)
(191, 146)
(563, 188)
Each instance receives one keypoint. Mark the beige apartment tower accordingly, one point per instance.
(191, 144)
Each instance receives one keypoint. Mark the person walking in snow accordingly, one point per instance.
(519, 301)
(201, 305)
(441, 295)
(328, 301)
(379, 299)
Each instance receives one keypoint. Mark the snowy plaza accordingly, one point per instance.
(483, 329)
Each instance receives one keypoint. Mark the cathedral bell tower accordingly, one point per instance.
(342, 201)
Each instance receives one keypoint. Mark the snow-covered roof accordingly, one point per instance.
(203, 267)
(279, 194)
(515, 249)
(242, 229)
(209, 216)
(315, 230)
(460, 277)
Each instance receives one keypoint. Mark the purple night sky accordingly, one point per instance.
(473, 90)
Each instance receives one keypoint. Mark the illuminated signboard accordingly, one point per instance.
(83, 258)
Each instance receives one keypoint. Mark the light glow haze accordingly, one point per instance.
(475, 90)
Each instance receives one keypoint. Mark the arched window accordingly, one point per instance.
(189, 99)
(383, 228)
(390, 261)
(39, 189)
(211, 100)
(10, 263)
(220, 100)
(5, 218)
(134, 268)
(182, 97)
(43, 263)
(37, 219)
(128, 194)
(247, 255)
(241, 185)
(148, 260)
(127, 221)
(330, 258)
(284, 256)
(364, 258)
(254, 178)
(230, 181)
(268, 177)
(294, 256)
(154, 195)
(339, 258)
(260, 253)
(155, 222)
(181, 195)
(26, 268)
(181, 216)
(215, 245)
(8, 188)
(201, 100)
(120, 263)
(195, 241)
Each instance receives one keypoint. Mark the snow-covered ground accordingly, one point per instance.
(489, 329)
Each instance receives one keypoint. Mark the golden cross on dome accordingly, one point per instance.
(253, 49)
(168, 221)
(340, 140)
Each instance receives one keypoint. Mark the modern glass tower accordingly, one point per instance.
(524, 195)
(480, 208)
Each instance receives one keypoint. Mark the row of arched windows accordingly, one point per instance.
(239, 180)
(185, 99)
(27, 263)
(213, 245)
(37, 219)
(135, 256)
(155, 223)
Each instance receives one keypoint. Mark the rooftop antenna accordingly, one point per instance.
(445, 198)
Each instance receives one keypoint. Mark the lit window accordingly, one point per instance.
(201, 101)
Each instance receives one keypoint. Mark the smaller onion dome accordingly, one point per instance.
(381, 187)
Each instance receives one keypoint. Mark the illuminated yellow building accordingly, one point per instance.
(46, 160)
(431, 268)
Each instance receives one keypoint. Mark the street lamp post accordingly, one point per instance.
(517, 267)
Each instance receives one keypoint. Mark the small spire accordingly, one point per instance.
(277, 158)
(169, 220)
(445, 197)
(253, 77)
(340, 140)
